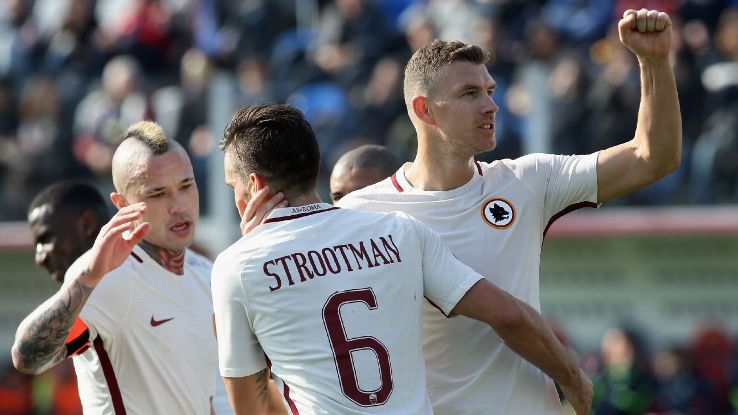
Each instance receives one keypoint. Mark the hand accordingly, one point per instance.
(114, 244)
(579, 395)
(647, 33)
(258, 208)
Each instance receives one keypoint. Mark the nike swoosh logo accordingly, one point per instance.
(155, 323)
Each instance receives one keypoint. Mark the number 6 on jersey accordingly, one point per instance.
(343, 347)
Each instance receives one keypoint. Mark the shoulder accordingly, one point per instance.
(230, 259)
(521, 163)
(194, 259)
(357, 197)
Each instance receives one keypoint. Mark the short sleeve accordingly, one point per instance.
(572, 181)
(239, 351)
(107, 307)
(445, 278)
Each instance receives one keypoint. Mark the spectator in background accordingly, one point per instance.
(680, 389)
(102, 115)
(714, 174)
(353, 36)
(74, 54)
(37, 152)
(361, 167)
(21, 43)
(377, 103)
(625, 385)
(713, 356)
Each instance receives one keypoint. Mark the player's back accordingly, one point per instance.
(334, 298)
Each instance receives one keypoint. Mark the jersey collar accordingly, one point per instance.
(402, 185)
(288, 213)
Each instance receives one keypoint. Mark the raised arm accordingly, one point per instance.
(655, 151)
(255, 394)
(523, 330)
(39, 341)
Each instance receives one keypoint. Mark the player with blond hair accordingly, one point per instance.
(135, 311)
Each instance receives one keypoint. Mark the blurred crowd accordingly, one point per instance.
(629, 377)
(75, 73)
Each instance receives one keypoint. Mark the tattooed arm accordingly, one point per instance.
(254, 394)
(39, 341)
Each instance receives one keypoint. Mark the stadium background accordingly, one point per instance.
(661, 264)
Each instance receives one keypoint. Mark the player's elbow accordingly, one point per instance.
(652, 167)
(513, 319)
(668, 163)
(19, 362)
(23, 363)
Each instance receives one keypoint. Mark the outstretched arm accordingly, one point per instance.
(523, 330)
(39, 341)
(655, 151)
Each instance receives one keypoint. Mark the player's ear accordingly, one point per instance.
(119, 201)
(421, 109)
(256, 183)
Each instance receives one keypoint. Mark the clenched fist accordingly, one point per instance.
(647, 33)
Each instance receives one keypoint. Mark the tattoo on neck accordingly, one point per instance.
(171, 260)
(41, 342)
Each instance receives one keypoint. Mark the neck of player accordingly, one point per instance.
(436, 170)
(169, 259)
(304, 199)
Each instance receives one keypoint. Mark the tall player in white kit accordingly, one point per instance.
(494, 216)
(331, 299)
(135, 311)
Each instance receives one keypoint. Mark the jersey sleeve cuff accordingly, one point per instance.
(457, 294)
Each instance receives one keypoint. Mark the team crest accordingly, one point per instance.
(498, 213)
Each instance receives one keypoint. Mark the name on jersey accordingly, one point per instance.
(304, 266)
(305, 208)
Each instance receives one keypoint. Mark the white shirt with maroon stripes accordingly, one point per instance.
(333, 298)
(495, 223)
(153, 346)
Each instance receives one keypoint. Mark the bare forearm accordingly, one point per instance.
(39, 341)
(253, 394)
(532, 339)
(659, 131)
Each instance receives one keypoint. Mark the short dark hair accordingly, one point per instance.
(424, 67)
(74, 197)
(277, 142)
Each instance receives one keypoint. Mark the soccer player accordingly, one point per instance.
(361, 167)
(135, 310)
(64, 219)
(494, 216)
(331, 299)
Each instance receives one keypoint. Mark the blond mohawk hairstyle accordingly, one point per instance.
(149, 133)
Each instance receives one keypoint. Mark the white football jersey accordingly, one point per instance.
(152, 347)
(333, 299)
(495, 223)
